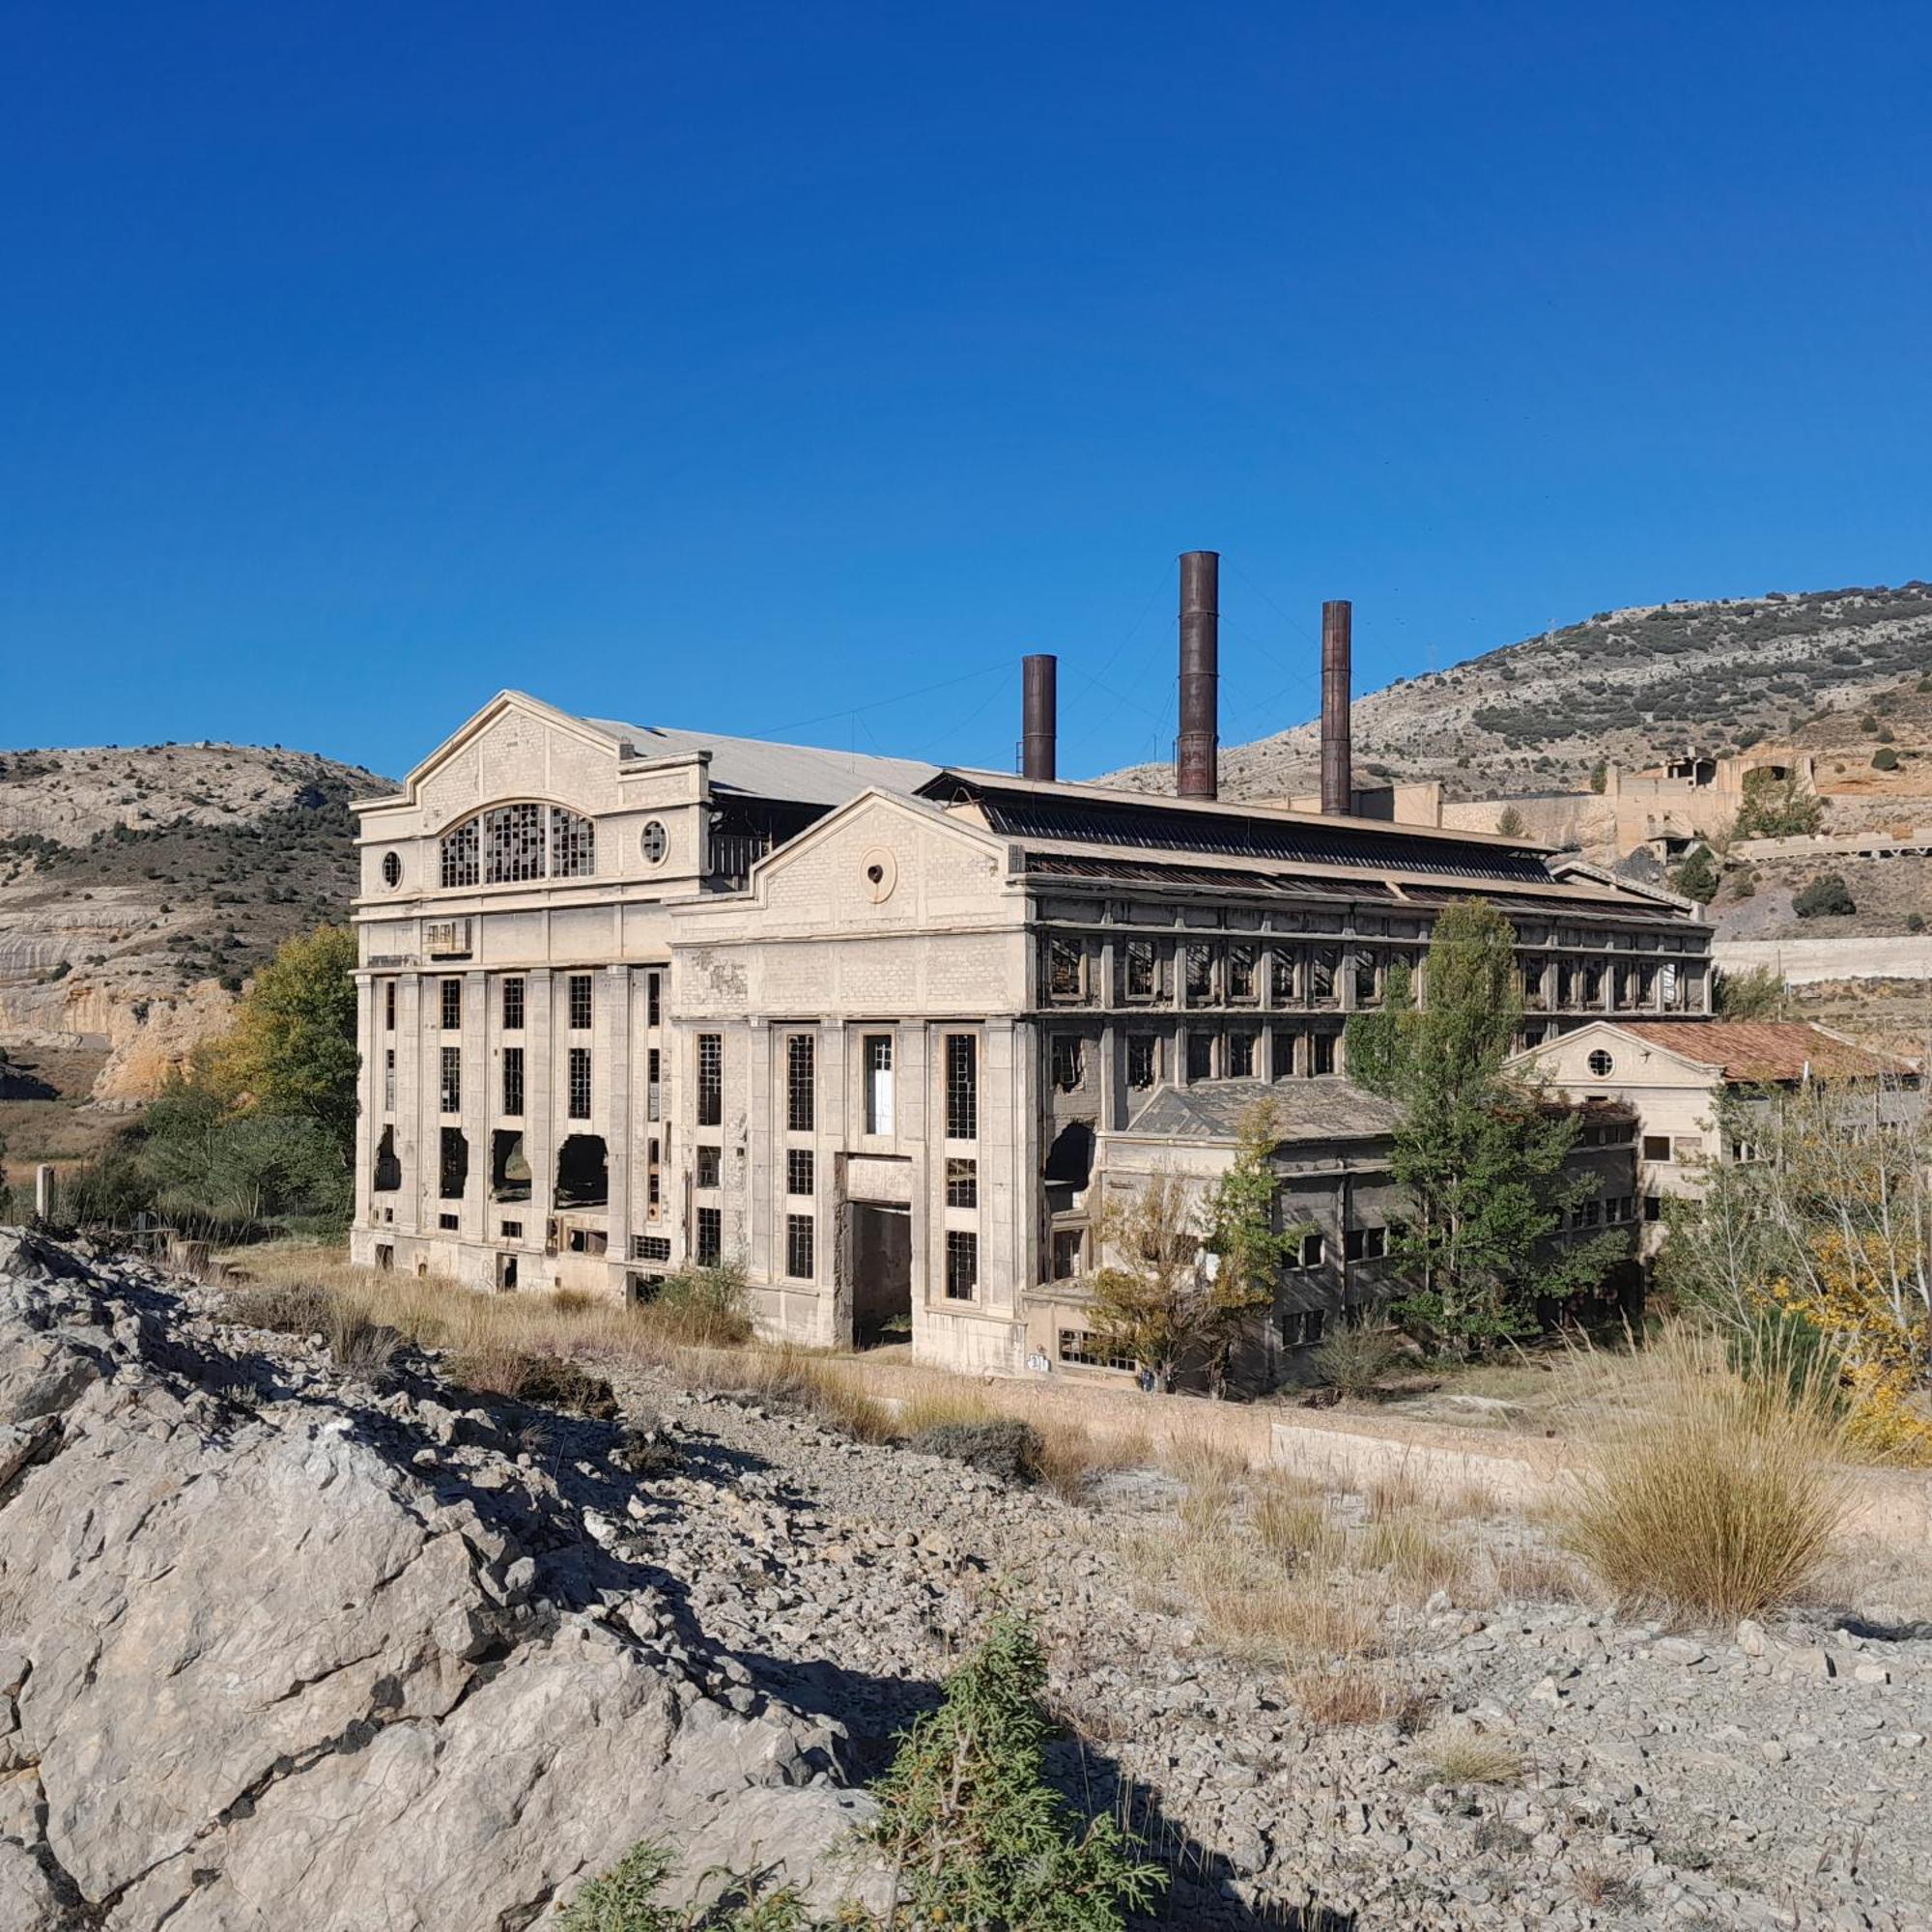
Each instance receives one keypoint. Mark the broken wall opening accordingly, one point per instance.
(583, 1172)
(509, 1167)
(388, 1169)
(453, 1164)
(1069, 1165)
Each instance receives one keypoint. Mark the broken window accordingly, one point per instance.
(582, 1175)
(573, 844)
(459, 857)
(1069, 1246)
(513, 1080)
(801, 1083)
(1140, 979)
(389, 1080)
(1367, 968)
(1200, 1056)
(710, 1248)
(653, 1086)
(580, 1002)
(710, 1079)
(1200, 972)
(453, 1006)
(1076, 1345)
(1591, 979)
(1307, 1251)
(963, 1264)
(513, 844)
(710, 1166)
(1241, 1055)
(388, 1169)
(1324, 962)
(509, 1167)
(1069, 1061)
(388, 1006)
(1284, 977)
(1069, 1164)
(1066, 963)
(800, 1175)
(1301, 1328)
(653, 999)
(1142, 1060)
(1285, 1065)
(962, 1087)
(799, 1261)
(1365, 1244)
(579, 1083)
(653, 1179)
(1322, 1048)
(650, 1247)
(962, 1183)
(513, 1006)
(878, 1063)
(1241, 961)
(452, 1169)
(452, 1080)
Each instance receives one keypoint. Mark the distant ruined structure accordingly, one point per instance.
(884, 1032)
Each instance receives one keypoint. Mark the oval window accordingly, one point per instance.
(393, 870)
(1601, 1064)
(656, 843)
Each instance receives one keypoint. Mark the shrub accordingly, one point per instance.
(625, 1899)
(1003, 1446)
(1697, 876)
(1352, 1692)
(705, 1307)
(288, 1308)
(1718, 1496)
(1354, 1357)
(1462, 1754)
(1827, 896)
(975, 1833)
(1915, 921)
(360, 1348)
(1749, 993)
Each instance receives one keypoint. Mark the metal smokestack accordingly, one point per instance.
(1338, 779)
(1198, 752)
(1039, 675)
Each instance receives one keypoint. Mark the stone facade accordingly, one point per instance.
(631, 998)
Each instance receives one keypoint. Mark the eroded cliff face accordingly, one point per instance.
(277, 1648)
(140, 887)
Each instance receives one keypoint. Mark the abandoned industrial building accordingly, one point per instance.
(881, 1032)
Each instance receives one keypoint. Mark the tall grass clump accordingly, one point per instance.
(1717, 1493)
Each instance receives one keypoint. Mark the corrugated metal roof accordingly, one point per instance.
(801, 774)
(1325, 1108)
(1156, 872)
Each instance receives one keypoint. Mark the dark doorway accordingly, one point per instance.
(388, 1169)
(881, 1274)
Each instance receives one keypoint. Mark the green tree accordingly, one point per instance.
(1750, 993)
(1777, 808)
(1599, 776)
(1697, 875)
(1509, 822)
(292, 1053)
(1150, 1301)
(1479, 1154)
(1827, 896)
(1241, 1236)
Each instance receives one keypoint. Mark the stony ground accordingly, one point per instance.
(1753, 1777)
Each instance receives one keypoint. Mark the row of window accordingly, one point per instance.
(510, 843)
(579, 1002)
(576, 1082)
(1234, 1055)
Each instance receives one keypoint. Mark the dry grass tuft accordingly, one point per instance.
(1720, 1497)
(1351, 1693)
(1462, 1754)
(1528, 1574)
(1418, 1562)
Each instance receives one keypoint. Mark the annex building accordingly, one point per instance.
(881, 1031)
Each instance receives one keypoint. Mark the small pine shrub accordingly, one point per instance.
(1355, 1358)
(1827, 896)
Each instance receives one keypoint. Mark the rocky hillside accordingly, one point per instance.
(140, 887)
(1631, 685)
(272, 1629)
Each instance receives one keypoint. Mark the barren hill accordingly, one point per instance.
(140, 886)
(1631, 686)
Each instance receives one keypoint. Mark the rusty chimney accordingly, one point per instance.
(1198, 752)
(1039, 675)
(1338, 779)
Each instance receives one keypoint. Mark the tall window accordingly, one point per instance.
(573, 844)
(1200, 972)
(452, 1080)
(963, 1264)
(1200, 1054)
(460, 866)
(800, 1081)
(653, 1176)
(580, 1002)
(1065, 967)
(1241, 1054)
(710, 1237)
(452, 1005)
(962, 1183)
(710, 1079)
(1142, 1060)
(389, 1081)
(878, 1052)
(1322, 1052)
(962, 1087)
(389, 1006)
(1069, 1061)
(798, 1247)
(513, 1006)
(1140, 968)
(579, 1083)
(513, 844)
(653, 999)
(653, 1086)
(513, 1080)
(800, 1171)
(710, 1166)
(1242, 972)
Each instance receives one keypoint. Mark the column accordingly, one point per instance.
(753, 1177)
(416, 1099)
(539, 1099)
(612, 1046)
(479, 1105)
(368, 1098)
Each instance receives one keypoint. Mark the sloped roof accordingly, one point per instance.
(1766, 1050)
(799, 774)
(1323, 1108)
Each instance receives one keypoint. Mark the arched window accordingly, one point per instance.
(511, 843)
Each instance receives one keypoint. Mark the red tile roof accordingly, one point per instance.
(1767, 1050)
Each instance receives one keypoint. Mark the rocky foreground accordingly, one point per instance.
(279, 1648)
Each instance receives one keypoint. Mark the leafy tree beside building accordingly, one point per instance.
(1480, 1155)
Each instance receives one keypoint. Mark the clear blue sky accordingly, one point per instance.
(738, 366)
